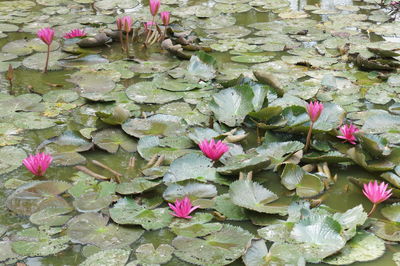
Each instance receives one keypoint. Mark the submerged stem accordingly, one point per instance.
(308, 141)
(373, 209)
(127, 44)
(121, 41)
(47, 59)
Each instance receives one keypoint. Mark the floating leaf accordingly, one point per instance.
(92, 228)
(11, 158)
(127, 211)
(32, 242)
(110, 257)
(256, 254)
(191, 190)
(51, 216)
(392, 212)
(136, 186)
(111, 139)
(147, 254)
(191, 166)
(363, 247)
(226, 207)
(251, 195)
(36, 196)
(220, 248)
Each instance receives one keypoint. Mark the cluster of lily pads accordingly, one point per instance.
(188, 150)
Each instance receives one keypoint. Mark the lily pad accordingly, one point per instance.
(36, 196)
(37, 61)
(147, 254)
(392, 212)
(111, 140)
(52, 216)
(110, 257)
(11, 158)
(127, 211)
(158, 125)
(92, 228)
(147, 92)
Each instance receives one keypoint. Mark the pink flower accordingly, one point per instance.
(314, 110)
(46, 35)
(75, 34)
(120, 23)
(127, 23)
(38, 163)
(154, 6)
(377, 193)
(182, 208)
(348, 133)
(149, 24)
(165, 17)
(213, 150)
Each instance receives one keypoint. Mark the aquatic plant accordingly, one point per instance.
(376, 193)
(127, 25)
(154, 7)
(314, 110)
(120, 24)
(348, 132)
(182, 208)
(213, 150)
(75, 33)
(165, 17)
(46, 35)
(38, 163)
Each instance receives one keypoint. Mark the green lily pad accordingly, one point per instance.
(7, 255)
(227, 208)
(147, 254)
(127, 211)
(147, 92)
(37, 61)
(363, 247)
(32, 242)
(159, 125)
(310, 185)
(90, 81)
(169, 147)
(191, 166)
(256, 254)
(92, 202)
(51, 216)
(111, 139)
(251, 195)
(220, 248)
(109, 257)
(36, 196)
(11, 158)
(92, 228)
(230, 106)
(392, 212)
(250, 59)
(191, 190)
(292, 175)
(136, 186)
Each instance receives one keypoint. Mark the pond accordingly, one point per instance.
(275, 82)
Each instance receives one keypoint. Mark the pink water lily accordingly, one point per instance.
(182, 208)
(348, 132)
(47, 36)
(38, 163)
(376, 193)
(120, 23)
(314, 110)
(165, 16)
(154, 6)
(213, 150)
(127, 22)
(75, 33)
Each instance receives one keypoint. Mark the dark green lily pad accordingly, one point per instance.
(147, 92)
(136, 186)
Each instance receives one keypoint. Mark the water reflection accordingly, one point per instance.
(299, 5)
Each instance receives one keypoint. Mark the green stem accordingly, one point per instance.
(373, 209)
(308, 141)
(148, 31)
(121, 41)
(47, 59)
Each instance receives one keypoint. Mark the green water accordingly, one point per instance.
(341, 196)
